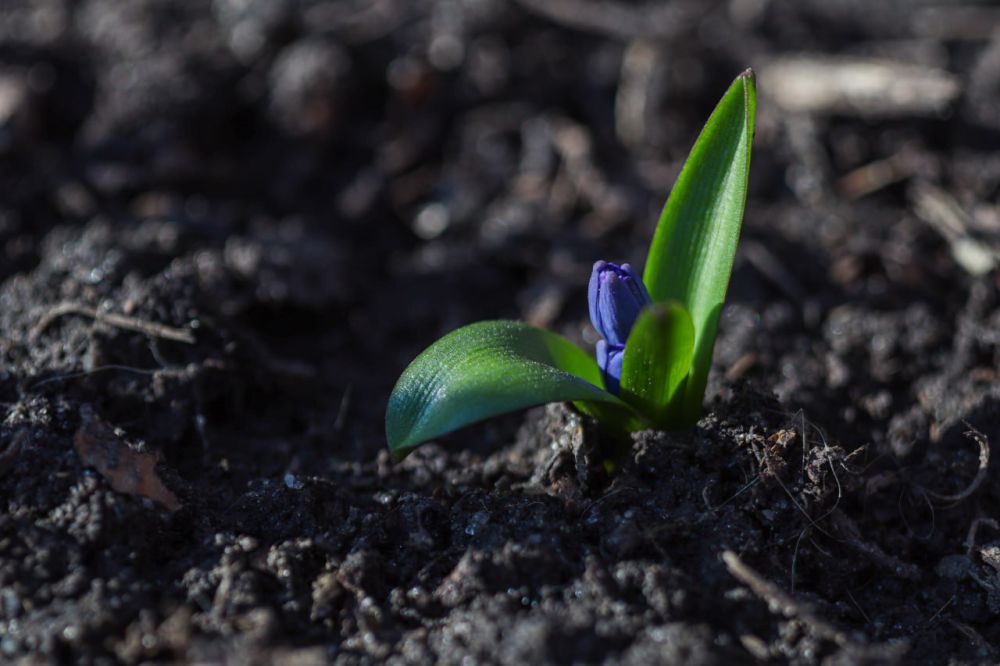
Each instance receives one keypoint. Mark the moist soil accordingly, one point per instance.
(225, 229)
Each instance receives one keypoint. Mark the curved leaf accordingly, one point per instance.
(657, 359)
(691, 257)
(483, 370)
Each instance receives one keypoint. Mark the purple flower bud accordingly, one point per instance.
(616, 296)
(609, 359)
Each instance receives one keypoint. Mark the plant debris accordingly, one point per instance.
(100, 446)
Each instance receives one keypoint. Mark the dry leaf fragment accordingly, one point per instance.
(127, 471)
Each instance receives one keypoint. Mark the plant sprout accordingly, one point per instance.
(657, 332)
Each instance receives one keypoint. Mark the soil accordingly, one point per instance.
(225, 229)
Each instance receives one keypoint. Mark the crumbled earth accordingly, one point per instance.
(226, 227)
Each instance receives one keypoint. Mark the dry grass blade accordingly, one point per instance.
(977, 480)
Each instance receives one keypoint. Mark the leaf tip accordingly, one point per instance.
(749, 81)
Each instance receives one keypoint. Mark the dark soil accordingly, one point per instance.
(225, 229)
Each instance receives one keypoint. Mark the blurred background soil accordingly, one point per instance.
(226, 227)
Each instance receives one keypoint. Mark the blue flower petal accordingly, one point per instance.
(616, 296)
(609, 360)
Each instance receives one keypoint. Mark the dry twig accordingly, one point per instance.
(149, 328)
(876, 175)
(974, 636)
(780, 602)
(852, 536)
(940, 210)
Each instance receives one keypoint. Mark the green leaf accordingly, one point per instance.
(487, 369)
(691, 257)
(657, 359)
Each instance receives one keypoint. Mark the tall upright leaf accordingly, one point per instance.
(691, 257)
